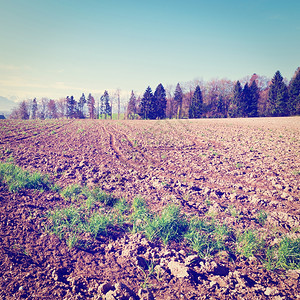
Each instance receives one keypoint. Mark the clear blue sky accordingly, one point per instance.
(65, 47)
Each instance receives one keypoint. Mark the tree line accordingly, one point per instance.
(256, 96)
(65, 108)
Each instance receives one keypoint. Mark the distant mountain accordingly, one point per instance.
(6, 105)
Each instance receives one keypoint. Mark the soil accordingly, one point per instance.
(209, 167)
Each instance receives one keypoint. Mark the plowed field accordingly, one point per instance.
(229, 170)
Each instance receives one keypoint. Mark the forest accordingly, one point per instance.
(255, 96)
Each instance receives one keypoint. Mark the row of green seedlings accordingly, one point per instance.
(16, 179)
(99, 213)
(91, 211)
(102, 214)
(207, 237)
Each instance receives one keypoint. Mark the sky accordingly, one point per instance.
(69, 47)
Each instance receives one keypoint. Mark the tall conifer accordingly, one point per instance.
(146, 104)
(196, 107)
(246, 98)
(105, 107)
(294, 94)
(81, 103)
(161, 101)
(278, 96)
(178, 96)
(253, 100)
(235, 105)
(131, 108)
(71, 107)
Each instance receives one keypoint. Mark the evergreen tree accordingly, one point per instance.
(253, 100)
(105, 107)
(235, 106)
(91, 106)
(74, 107)
(221, 107)
(294, 94)
(131, 108)
(153, 112)
(102, 107)
(70, 103)
(34, 109)
(81, 103)
(196, 107)
(146, 104)
(178, 96)
(161, 100)
(245, 100)
(278, 96)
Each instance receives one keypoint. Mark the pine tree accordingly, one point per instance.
(146, 104)
(161, 100)
(91, 106)
(253, 100)
(178, 96)
(234, 107)
(81, 103)
(294, 94)
(196, 107)
(74, 107)
(131, 107)
(245, 100)
(278, 96)
(221, 107)
(69, 111)
(153, 112)
(34, 109)
(107, 106)
(102, 107)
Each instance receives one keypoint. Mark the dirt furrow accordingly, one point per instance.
(38, 133)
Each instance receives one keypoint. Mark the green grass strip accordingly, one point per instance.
(16, 179)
